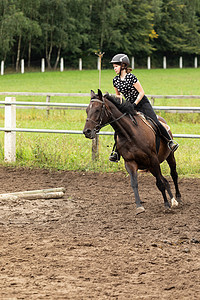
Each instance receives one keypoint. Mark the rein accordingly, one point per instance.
(99, 124)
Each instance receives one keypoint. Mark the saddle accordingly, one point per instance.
(154, 127)
(149, 122)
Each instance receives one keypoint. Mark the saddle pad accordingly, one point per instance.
(142, 116)
(167, 127)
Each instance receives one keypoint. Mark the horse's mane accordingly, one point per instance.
(124, 107)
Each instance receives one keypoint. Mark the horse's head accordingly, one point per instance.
(96, 115)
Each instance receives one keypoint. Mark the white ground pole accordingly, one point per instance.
(9, 136)
(52, 193)
(2, 67)
(61, 64)
(43, 65)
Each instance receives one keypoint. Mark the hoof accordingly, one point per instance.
(140, 210)
(168, 210)
(167, 207)
(178, 198)
(174, 202)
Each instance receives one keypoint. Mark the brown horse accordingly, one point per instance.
(136, 143)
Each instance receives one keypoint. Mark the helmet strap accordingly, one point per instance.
(122, 67)
(120, 70)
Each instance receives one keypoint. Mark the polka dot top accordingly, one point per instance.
(126, 86)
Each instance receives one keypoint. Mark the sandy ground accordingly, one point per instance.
(91, 245)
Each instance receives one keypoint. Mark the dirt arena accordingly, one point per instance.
(91, 245)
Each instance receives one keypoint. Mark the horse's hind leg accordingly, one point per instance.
(131, 168)
(172, 164)
(162, 184)
(173, 200)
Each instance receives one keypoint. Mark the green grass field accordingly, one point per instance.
(73, 152)
(155, 81)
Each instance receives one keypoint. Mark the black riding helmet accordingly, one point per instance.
(120, 59)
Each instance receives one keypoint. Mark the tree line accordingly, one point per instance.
(33, 29)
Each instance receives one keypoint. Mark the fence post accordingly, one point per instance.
(22, 66)
(181, 62)
(95, 141)
(133, 62)
(48, 108)
(61, 64)
(43, 65)
(10, 136)
(164, 62)
(98, 63)
(152, 100)
(95, 148)
(149, 63)
(80, 64)
(2, 67)
(195, 62)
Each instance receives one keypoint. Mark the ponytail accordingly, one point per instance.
(125, 67)
(128, 70)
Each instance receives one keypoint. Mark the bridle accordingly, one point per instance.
(104, 110)
(99, 123)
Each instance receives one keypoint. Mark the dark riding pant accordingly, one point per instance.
(146, 108)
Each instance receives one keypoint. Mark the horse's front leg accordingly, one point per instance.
(132, 168)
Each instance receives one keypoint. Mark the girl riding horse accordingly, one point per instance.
(128, 85)
(135, 142)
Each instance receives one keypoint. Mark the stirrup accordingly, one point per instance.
(173, 146)
(114, 157)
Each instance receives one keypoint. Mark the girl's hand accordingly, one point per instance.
(120, 98)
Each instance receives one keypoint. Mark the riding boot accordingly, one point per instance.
(115, 156)
(173, 146)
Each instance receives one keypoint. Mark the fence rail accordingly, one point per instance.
(46, 94)
(189, 136)
(52, 105)
(88, 94)
(81, 105)
(10, 122)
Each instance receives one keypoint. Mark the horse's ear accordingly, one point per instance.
(93, 94)
(100, 94)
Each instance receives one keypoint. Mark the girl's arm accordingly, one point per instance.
(139, 88)
(118, 94)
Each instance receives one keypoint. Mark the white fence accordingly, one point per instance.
(10, 121)
(98, 67)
